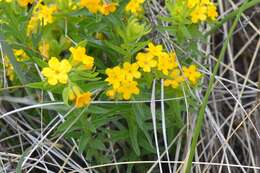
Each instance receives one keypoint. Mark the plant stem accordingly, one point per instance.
(201, 114)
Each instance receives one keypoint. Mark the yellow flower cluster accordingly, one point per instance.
(24, 3)
(153, 60)
(79, 56)
(164, 62)
(20, 55)
(175, 78)
(156, 57)
(192, 74)
(57, 72)
(9, 69)
(95, 6)
(81, 99)
(135, 6)
(122, 80)
(202, 10)
(41, 13)
(44, 49)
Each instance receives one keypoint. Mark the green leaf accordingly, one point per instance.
(24, 155)
(97, 144)
(139, 46)
(62, 127)
(121, 134)
(93, 85)
(83, 76)
(82, 43)
(133, 132)
(145, 144)
(65, 95)
(44, 86)
(117, 48)
(36, 85)
(83, 141)
(185, 32)
(104, 120)
(39, 62)
(98, 109)
(130, 168)
(138, 111)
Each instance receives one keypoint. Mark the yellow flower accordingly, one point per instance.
(131, 71)
(71, 4)
(212, 11)
(32, 25)
(155, 50)
(199, 14)
(111, 93)
(134, 6)
(115, 76)
(57, 72)
(173, 59)
(197, 10)
(205, 2)
(166, 62)
(202, 10)
(122, 80)
(108, 8)
(41, 13)
(18, 52)
(83, 99)
(20, 55)
(24, 3)
(79, 55)
(88, 61)
(44, 49)
(92, 5)
(128, 88)
(80, 99)
(192, 3)
(175, 79)
(9, 69)
(192, 74)
(45, 13)
(139, 1)
(146, 61)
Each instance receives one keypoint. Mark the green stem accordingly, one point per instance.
(12, 87)
(232, 15)
(201, 114)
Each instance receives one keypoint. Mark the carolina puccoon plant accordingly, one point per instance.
(100, 59)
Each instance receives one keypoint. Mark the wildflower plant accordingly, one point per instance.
(89, 50)
(83, 52)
